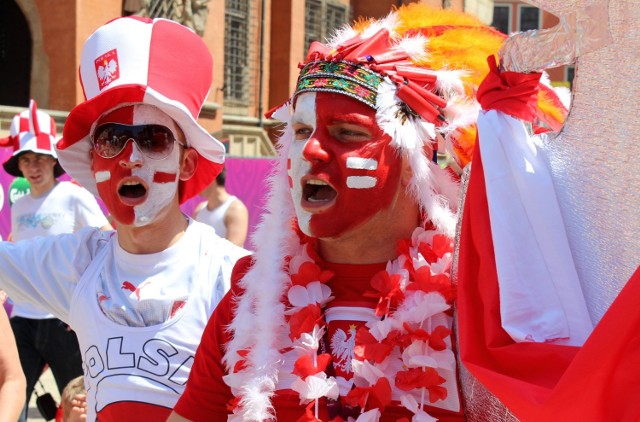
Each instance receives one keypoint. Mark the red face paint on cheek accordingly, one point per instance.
(364, 173)
(163, 177)
(108, 173)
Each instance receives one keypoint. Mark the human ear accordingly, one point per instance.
(407, 172)
(189, 163)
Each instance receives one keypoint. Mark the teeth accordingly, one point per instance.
(131, 183)
(316, 182)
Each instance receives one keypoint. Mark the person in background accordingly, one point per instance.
(51, 207)
(73, 402)
(138, 297)
(226, 213)
(12, 380)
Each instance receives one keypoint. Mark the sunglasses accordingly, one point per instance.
(154, 141)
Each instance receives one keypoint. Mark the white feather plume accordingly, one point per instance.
(414, 46)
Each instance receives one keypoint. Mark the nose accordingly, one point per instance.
(314, 150)
(131, 156)
(32, 164)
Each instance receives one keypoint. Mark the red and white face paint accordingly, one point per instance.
(342, 168)
(133, 187)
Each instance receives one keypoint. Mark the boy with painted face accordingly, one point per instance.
(345, 312)
(138, 297)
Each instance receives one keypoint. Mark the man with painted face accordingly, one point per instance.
(138, 297)
(346, 309)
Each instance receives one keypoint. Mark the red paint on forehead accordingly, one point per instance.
(122, 115)
(337, 108)
(334, 109)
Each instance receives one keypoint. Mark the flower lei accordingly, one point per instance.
(403, 347)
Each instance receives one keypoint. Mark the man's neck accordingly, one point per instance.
(163, 232)
(375, 240)
(218, 197)
(38, 190)
(370, 243)
(361, 249)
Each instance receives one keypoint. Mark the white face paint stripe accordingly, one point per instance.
(298, 166)
(361, 182)
(360, 163)
(102, 176)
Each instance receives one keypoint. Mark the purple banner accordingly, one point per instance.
(245, 179)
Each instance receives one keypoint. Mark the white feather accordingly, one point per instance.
(449, 82)
(341, 35)
(259, 320)
(389, 22)
(413, 46)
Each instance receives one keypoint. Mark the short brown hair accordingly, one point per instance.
(75, 386)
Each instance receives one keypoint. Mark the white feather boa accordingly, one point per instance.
(259, 323)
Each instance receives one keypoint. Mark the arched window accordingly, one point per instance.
(15, 55)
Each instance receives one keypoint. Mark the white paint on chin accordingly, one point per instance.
(304, 216)
(160, 194)
(304, 113)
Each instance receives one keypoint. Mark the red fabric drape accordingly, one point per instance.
(536, 381)
(515, 94)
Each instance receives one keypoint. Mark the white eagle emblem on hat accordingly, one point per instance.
(107, 68)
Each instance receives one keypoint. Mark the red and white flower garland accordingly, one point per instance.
(409, 346)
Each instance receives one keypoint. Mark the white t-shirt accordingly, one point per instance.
(215, 217)
(126, 367)
(66, 208)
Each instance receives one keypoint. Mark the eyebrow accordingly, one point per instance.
(353, 118)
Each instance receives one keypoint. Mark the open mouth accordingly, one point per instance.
(318, 192)
(132, 192)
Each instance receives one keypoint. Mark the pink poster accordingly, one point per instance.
(246, 180)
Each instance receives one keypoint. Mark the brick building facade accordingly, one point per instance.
(256, 45)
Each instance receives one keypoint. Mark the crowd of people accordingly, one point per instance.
(378, 289)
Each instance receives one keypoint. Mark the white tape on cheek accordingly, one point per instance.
(361, 182)
(359, 163)
(102, 176)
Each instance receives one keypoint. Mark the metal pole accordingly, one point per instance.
(260, 87)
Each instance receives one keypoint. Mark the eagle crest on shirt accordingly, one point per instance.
(342, 345)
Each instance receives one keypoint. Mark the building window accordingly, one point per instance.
(322, 18)
(502, 18)
(529, 18)
(236, 51)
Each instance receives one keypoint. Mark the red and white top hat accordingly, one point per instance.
(134, 60)
(31, 131)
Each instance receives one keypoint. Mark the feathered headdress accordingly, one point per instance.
(419, 68)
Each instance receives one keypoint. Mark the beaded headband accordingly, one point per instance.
(342, 77)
